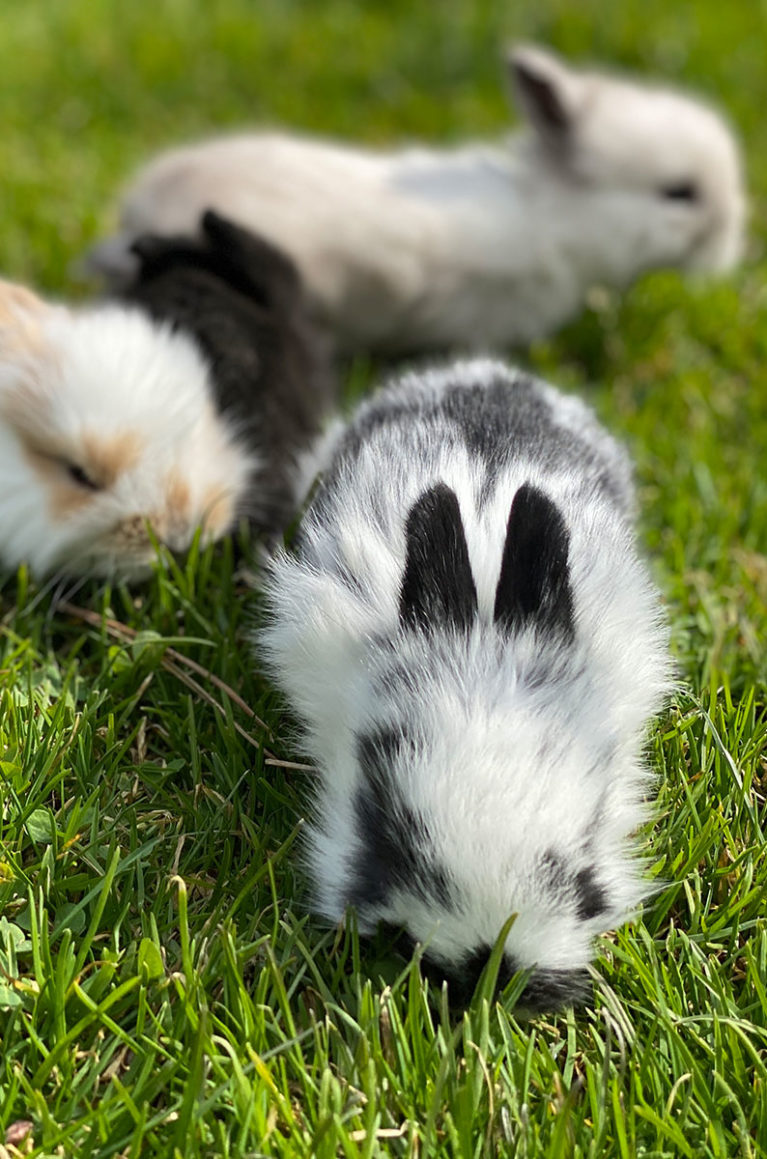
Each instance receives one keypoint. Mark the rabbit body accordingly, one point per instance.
(474, 648)
(473, 246)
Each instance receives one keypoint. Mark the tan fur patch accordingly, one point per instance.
(26, 410)
(178, 500)
(14, 297)
(106, 459)
(217, 513)
(103, 460)
(20, 330)
(65, 496)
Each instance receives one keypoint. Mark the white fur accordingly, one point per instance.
(85, 377)
(508, 767)
(478, 245)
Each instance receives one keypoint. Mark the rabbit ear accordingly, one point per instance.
(19, 302)
(534, 588)
(271, 273)
(549, 93)
(21, 314)
(437, 587)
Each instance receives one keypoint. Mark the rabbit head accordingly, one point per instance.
(484, 777)
(107, 428)
(663, 170)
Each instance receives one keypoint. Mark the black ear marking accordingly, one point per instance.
(534, 587)
(437, 586)
(547, 91)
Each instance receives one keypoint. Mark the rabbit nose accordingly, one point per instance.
(178, 537)
(132, 531)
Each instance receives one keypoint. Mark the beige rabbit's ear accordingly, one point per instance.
(550, 94)
(21, 314)
(25, 352)
(16, 298)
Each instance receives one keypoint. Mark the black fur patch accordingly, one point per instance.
(561, 882)
(499, 422)
(401, 941)
(437, 587)
(554, 872)
(462, 982)
(534, 585)
(545, 991)
(592, 898)
(548, 990)
(495, 423)
(395, 840)
(267, 271)
(240, 299)
(244, 261)
(491, 416)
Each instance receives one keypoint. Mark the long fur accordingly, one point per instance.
(474, 648)
(107, 422)
(479, 245)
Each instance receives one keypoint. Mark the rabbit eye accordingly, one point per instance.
(81, 477)
(680, 191)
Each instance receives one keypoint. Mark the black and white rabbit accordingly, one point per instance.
(474, 647)
(479, 245)
(188, 404)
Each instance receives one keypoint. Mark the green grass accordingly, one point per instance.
(162, 988)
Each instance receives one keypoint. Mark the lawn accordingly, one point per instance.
(163, 990)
